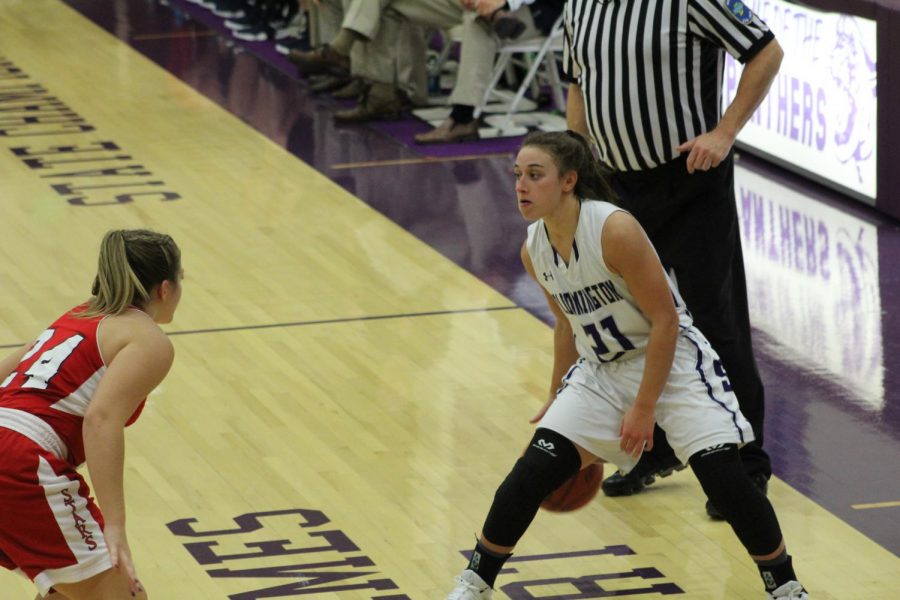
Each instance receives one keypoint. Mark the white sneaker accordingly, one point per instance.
(470, 586)
(792, 590)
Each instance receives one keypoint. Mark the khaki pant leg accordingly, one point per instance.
(440, 14)
(395, 56)
(364, 16)
(325, 20)
(477, 53)
(396, 52)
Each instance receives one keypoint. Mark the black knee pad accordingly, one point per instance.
(740, 502)
(548, 462)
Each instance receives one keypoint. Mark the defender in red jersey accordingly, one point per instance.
(65, 400)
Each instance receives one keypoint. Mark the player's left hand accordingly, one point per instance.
(636, 432)
(707, 150)
(120, 556)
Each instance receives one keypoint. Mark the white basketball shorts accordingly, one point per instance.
(696, 409)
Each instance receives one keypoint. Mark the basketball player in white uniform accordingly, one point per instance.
(626, 355)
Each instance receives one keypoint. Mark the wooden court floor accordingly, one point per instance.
(344, 399)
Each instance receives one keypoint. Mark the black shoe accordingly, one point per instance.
(384, 105)
(255, 33)
(228, 9)
(250, 19)
(285, 45)
(321, 61)
(643, 474)
(282, 18)
(759, 480)
(319, 84)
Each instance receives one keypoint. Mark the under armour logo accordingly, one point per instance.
(548, 276)
(768, 579)
(546, 445)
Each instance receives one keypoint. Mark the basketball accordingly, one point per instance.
(577, 491)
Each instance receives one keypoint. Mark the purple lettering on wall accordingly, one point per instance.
(807, 132)
(782, 107)
(821, 105)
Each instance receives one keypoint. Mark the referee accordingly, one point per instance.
(647, 88)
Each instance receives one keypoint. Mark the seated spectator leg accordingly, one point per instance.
(393, 64)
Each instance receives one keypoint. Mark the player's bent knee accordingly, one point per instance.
(741, 503)
(549, 460)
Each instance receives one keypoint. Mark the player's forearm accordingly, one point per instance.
(564, 355)
(657, 362)
(104, 448)
(752, 88)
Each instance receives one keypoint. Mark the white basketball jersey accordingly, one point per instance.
(606, 321)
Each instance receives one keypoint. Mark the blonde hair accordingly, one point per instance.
(132, 262)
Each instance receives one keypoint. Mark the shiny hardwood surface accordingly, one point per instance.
(328, 361)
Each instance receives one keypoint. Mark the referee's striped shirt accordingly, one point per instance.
(650, 71)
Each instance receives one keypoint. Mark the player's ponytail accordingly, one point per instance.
(570, 151)
(131, 263)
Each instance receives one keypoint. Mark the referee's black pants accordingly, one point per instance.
(692, 222)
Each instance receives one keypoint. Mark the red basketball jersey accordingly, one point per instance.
(57, 378)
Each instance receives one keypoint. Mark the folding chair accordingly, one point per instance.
(540, 56)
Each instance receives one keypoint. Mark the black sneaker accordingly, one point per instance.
(248, 20)
(255, 33)
(283, 18)
(229, 9)
(759, 480)
(643, 474)
(285, 45)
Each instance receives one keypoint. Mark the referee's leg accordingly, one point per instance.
(702, 245)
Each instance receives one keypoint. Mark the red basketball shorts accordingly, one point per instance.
(50, 528)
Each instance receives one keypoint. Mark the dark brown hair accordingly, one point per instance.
(570, 151)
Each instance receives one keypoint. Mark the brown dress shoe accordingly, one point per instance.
(353, 89)
(319, 84)
(450, 132)
(380, 103)
(322, 60)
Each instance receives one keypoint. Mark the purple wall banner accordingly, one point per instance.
(820, 117)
